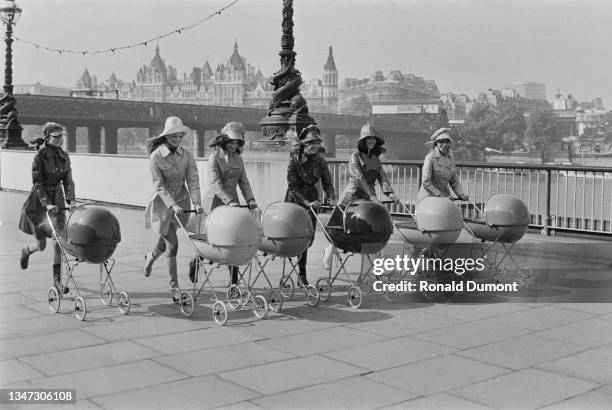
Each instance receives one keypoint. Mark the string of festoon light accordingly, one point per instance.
(134, 45)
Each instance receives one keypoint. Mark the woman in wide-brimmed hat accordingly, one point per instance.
(177, 186)
(365, 168)
(51, 171)
(306, 168)
(226, 171)
(439, 169)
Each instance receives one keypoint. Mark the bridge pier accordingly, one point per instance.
(199, 147)
(110, 139)
(70, 139)
(93, 139)
(330, 143)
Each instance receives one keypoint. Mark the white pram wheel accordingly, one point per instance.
(54, 299)
(235, 297)
(123, 300)
(312, 296)
(219, 312)
(275, 301)
(354, 297)
(80, 310)
(187, 303)
(324, 289)
(365, 283)
(106, 293)
(287, 287)
(260, 307)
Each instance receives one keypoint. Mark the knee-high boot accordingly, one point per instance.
(152, 256)
(233, 275)
(172, 271)
(302, 269)
(57, 278)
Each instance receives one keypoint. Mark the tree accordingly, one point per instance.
(542, 129)
(358, 106)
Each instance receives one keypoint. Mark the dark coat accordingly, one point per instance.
(302, 176)
(51, 171)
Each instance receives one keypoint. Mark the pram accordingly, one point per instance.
(496, 230)
(364, 228)
(91, 235)
(433, 228)
(287, 231)
(231, 238)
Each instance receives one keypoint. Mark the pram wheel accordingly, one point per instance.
(364, 281)
(392, 278)
(123, 300)
(260, 307)
(433, 295)
(219, 312)
(312, 296)
(80, 310)
(324, 289)
(187, 303)
(234, 297)
(355, 297)
(54, 299)
(106, 293)
(287, 287)
(275, 301)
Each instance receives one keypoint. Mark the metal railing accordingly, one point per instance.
(559, 198)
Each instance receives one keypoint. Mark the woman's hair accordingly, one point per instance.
(377, 150)
(152, 145)
(223, 146)
(38, 142)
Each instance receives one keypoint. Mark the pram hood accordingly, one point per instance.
(232, 227)
(286, 220)
(506, 210)
(92, 233)
(435, 214)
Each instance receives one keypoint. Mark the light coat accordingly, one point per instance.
(365, 171)
(225, 173)
(176, 182)
(439, 172)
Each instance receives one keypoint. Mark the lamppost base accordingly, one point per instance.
(10, 138)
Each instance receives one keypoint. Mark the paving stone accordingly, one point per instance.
(221, 359)
(18, 313)
(390, 353)
(471, 334)
(111, 379)
(90, 357)
(441, 401)
(15, 371)
(350, 393)
(320, 341)
(591, 332)
(594, 364)
(587, 401)
(473, 312)
(594, 308)
(521, 352)
(437, 375)
(195, 393)
(196, 340)
(151, 326)
(404, 323)
(291, 374)
(41, 324)
(544, 317)
(50, 342)
(518, 389)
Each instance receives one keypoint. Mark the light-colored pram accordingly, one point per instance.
(91, 235)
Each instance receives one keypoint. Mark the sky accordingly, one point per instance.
(466, 46)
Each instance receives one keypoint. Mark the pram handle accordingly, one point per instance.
(388, 202)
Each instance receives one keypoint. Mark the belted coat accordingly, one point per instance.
(51, 171)
(225, 173)
(303, 173)
(364, 170)
(176, 182)
(439, 172)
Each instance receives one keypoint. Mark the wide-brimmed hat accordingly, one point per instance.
(369, 131)
(231, 131)
(173, 125)
(441, 134)
(53, 129)
(310, 134)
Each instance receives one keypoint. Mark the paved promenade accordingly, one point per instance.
(469, 352)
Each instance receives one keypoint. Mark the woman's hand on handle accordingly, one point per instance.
(199, 209)
(177, 209)
(315, 205)
(252, 204)
(394, 198)
(52, 208)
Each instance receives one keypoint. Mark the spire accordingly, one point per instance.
(331, 64)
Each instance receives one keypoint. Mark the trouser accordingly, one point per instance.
(168, 243)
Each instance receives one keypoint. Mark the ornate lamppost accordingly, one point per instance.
(288, 107)
(10, 129)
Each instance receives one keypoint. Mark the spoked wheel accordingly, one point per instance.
(234, 297)
(275, 301)
(355, 297)
(324, 289)
(287, 287)
(219, 312)
(260, 306)
(312, 295)
(123, 300)
(187, 303)
(432, 294)
(365, 283)
(525, 277)
(54, 299)
(80, 310)
(106, 293)
(392, 278)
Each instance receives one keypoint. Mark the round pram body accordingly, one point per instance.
(287, 230)
(366, 226)
(437, 223)
(506, 219)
